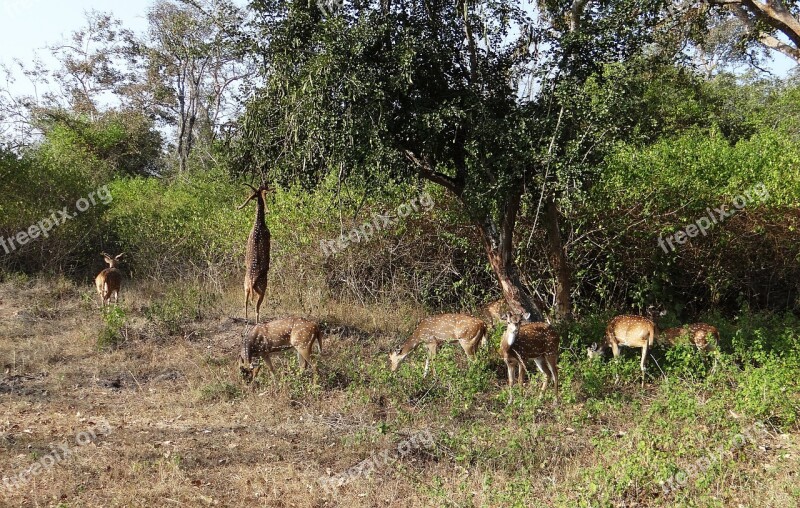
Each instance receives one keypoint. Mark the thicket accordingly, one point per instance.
(173, 224)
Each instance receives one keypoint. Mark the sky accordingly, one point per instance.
(29, 25)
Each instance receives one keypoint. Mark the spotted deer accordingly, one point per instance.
(257, 257)
(278, 335)
(697, 333)
(109, 281)
(436, 330)
(630, 331)
(523, 341)
(494, 311)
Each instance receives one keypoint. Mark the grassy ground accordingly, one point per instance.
(151, 391)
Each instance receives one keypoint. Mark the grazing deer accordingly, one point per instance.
(697, 333)
(522, 341)
(278, 335)
(257, 257)
(109, 281)
(494, 311)
(436, 330)
(630, 331)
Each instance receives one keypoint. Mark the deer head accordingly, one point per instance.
(512, 326)
(112, 261)
(395, 358)
(595, 350)
(257, 193)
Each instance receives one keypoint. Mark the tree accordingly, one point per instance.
(773, 23)
(90, 74)
(472, 96)
(189, 65)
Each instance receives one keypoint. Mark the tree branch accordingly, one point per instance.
(425, 170)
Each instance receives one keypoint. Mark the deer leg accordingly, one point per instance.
(433, 347)
(644, 362)
(266, 359)
(615, 350)
(552, 362)
(544, 369)
(305, 354)
(258, 304)
(511, 367)
(468, 349)
(246, 301)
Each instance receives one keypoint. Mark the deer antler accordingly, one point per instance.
(254, 194)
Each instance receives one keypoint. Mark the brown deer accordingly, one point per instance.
(257, 257)
(278, 335)
(522, 341)
(109, 281)
(437, 330)
(630, 331)
(697, 333)
(493, 312)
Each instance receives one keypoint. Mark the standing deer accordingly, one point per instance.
(278, 335)
(109, 281)
(522, 341)
(437, 330)
(630, 331)
(257, 257)
(697, 333)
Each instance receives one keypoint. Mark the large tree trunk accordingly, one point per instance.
(558, 260)
(499, 249)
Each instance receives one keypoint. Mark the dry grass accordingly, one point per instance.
(185, 432)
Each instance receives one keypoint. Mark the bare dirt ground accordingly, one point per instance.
(163, 420)
(173, 440)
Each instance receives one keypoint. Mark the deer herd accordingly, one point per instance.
(521, 341)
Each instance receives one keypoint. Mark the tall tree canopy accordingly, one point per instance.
(479, 97)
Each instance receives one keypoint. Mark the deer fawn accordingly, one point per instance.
(630, 331)
(278, 335)
(698, 334)
(436, 330)
(529, 340)
(109, 281)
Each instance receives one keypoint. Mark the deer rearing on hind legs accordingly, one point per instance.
(257, 257)
(109, 281)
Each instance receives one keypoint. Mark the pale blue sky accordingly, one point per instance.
(28, 25)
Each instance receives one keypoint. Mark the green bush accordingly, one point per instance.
(112, 333)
